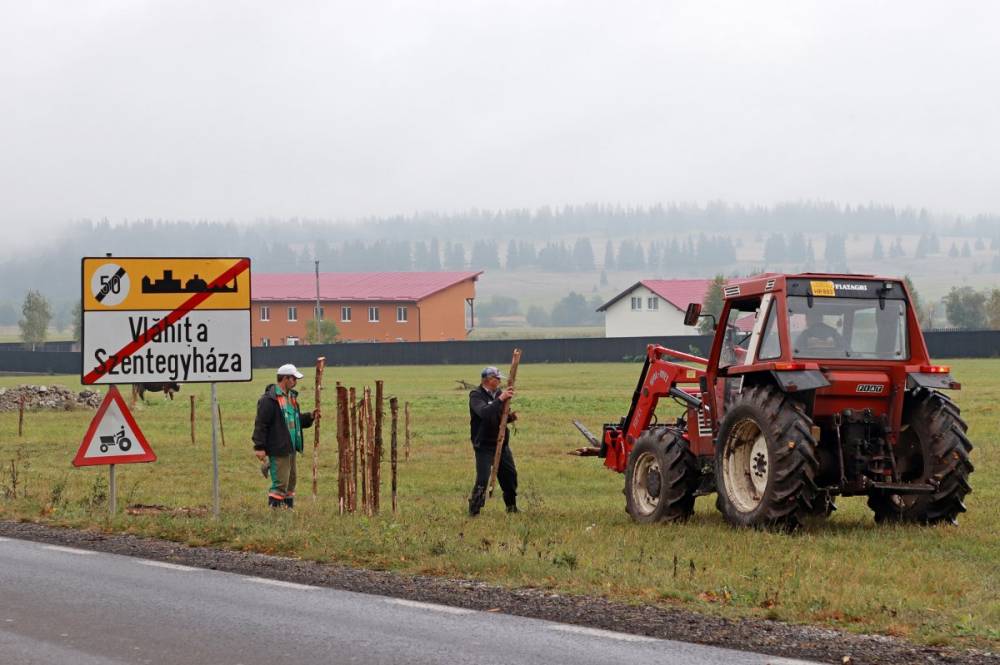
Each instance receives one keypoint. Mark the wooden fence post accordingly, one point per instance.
(343, 435)
(320, 364)
(222, 430)
(406, 431)
(377, 449)
(394, 437)
(363, 448)
(20, 416)
(352, 412)
(370, 449)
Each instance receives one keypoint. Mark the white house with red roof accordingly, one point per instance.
(377, 306)
(653, 307)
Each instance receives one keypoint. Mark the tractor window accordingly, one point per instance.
(847, 328)
(739, 328)
(770, 345)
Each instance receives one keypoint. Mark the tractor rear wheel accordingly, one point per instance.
(766, 464)
(933, 448)
(661, 478)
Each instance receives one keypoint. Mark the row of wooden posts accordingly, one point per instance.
(359, 444)
(361, 448)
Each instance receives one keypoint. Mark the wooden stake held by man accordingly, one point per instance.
(320, 364)
(394, 437)
(504, 414)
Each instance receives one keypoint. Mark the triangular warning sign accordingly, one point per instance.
(113, 436)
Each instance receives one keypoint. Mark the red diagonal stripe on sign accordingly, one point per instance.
(170, 319)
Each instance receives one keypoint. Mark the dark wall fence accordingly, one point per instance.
(963, 343)
(480, 352)
(942, 345)
(39, 362)
(44, 346)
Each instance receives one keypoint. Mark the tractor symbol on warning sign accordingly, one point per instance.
(119, 439)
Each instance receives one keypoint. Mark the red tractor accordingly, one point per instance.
(816, 386)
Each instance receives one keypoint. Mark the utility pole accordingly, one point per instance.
(317, 302)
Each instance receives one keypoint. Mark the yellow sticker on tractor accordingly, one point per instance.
(823, 289)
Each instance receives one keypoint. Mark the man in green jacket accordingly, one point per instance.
(277, 434)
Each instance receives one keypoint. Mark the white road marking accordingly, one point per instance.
(281, 583)
(68, 550)
(597, 632)
(4, 540)
(433, 607)
(164, 564)
(775, 660)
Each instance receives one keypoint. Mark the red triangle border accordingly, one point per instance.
(147, 456)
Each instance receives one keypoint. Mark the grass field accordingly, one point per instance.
(931, 585)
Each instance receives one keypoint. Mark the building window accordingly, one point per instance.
(291, 341)
(293, 313)
(373, 314)
(265, 341)
(636, 304)
(265, 313)
(345, 314)
(318, 313)
(401, 314)
(653, 303)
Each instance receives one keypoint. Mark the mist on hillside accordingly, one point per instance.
(562, 147)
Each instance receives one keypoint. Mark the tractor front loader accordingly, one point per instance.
(816, 386)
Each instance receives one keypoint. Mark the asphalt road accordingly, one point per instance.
(64, 605)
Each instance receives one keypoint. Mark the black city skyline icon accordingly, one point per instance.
(169, 284)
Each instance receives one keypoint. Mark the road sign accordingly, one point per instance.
(113, 436)
(151, 320)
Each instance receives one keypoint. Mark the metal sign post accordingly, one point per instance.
(112, 491)
(215, 452)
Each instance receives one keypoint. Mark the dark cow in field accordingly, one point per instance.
(167, 389)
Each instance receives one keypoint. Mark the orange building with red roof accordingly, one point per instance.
(369, 307)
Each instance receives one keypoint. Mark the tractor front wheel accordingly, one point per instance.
(661, 478)
(933, 448)
(766, 462)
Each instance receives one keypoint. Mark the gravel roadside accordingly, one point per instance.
(770, 637)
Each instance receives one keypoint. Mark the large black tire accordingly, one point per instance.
(933, 448)
(661, 478)
(765, 462)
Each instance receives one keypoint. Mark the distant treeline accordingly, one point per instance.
(570, 238)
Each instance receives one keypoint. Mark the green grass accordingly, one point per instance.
(932, 585)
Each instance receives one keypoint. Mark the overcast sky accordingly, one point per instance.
(239, 110)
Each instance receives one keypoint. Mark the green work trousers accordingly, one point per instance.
(282, 477)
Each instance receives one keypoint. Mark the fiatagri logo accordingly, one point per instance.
(869, 388)
(850, 287)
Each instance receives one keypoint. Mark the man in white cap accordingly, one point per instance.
(485, 406)
(277, 434)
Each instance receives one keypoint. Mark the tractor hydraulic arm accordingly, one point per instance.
(659, 378)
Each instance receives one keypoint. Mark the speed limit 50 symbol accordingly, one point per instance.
(109, 284)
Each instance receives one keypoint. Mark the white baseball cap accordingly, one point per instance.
(289, 370)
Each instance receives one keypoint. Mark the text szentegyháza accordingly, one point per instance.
(171, 362)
